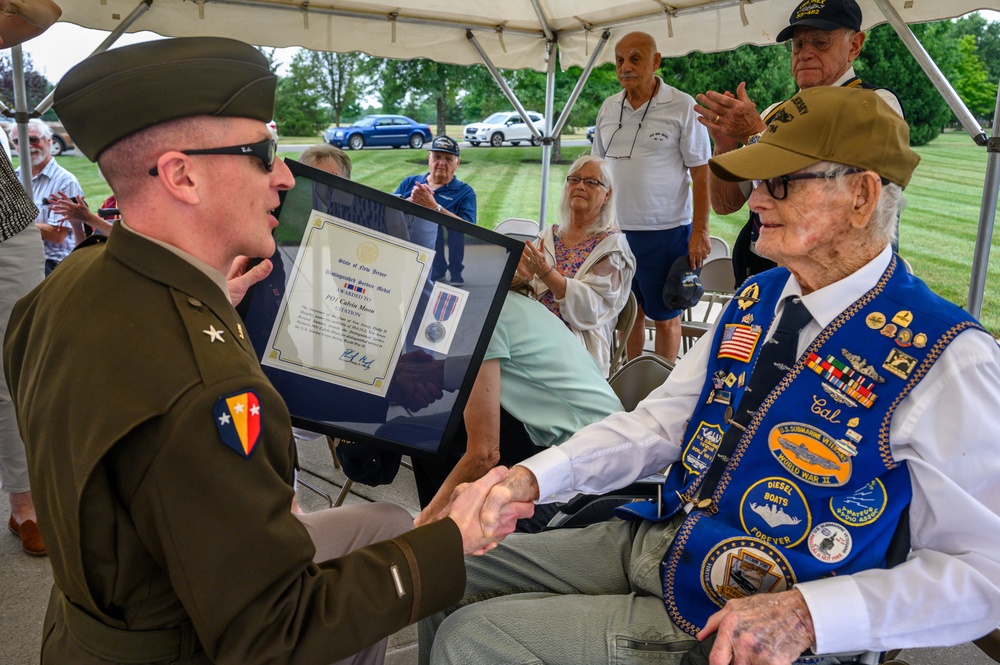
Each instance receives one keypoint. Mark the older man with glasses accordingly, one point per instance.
(824, 38)
(656, 150)
(47, 179)
(832, 441)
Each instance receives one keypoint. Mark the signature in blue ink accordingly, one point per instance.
(351, 356)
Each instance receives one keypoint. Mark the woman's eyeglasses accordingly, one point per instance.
(574, 180)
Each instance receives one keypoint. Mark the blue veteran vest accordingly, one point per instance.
(811, 488)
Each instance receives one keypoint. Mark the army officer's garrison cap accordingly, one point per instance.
(117, 93)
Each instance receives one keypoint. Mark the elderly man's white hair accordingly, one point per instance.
(43, 129)
(886, 214)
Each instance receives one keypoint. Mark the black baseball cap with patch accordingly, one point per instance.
(115, 94)
(446, 144)
(823, 15)
(683, 288)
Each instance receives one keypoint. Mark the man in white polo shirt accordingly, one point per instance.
(651, 138)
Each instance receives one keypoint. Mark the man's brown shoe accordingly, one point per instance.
(31, 539)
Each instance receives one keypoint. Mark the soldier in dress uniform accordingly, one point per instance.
(166, 503)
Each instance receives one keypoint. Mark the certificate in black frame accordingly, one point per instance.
(400, 418)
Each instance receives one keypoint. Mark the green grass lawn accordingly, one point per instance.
(937, 231)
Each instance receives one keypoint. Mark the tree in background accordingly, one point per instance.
(298, 107)
(424, 89)
(341, 80)
(884, 61)
(973, 82)
(767, 71)
(35, 82)
(987, 34)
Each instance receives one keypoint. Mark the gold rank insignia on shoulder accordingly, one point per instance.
(748, 297)
(239, 330)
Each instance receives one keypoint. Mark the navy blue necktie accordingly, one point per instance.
(775, 360)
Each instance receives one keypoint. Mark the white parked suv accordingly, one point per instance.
(507, 126)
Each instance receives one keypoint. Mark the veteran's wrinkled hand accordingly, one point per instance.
(764, 629)
(730, 119)
(466, 509)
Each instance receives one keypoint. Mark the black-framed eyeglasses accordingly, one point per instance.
(266, 151)
(819, 43)
(574, 180)
(33, 140)
(777, 187)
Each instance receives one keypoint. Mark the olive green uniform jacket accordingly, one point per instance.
(149, 518)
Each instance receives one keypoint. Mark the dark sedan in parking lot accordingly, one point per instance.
(590, 133)
(376, 130)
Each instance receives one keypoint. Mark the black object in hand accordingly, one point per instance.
(699, 654)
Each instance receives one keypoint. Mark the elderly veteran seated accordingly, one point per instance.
(535, 389)
(799, 447)
(581, 268)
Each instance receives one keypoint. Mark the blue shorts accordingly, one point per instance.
(655, 252)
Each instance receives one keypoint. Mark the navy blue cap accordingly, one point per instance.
(683, 288)
(444, 144)
(823, 15)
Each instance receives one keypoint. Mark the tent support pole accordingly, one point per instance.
(108, 42)
(21, 113)
(987, 213)
(987, 216)
(550, 93)
(564, 116)
(938, 79)
(508, 93)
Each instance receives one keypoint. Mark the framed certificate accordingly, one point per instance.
(350, 328)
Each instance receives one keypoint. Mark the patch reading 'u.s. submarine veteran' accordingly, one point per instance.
(740, 567)
(863, 506)
(809, 454)
(775, 511)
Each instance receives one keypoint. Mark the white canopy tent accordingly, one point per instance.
(516, 34)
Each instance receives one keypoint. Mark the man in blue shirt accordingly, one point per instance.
(440, 190)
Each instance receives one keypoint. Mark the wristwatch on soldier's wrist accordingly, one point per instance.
(438, 208)
(753, 138)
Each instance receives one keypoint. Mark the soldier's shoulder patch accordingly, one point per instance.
(238, 419)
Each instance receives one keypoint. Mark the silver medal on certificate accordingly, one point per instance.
(443, 309)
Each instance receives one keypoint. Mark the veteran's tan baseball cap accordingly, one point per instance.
(117, 93)
(851, 126)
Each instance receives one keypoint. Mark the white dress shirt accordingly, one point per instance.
(947, 430)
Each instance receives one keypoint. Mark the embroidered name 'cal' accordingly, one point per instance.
(237, 417)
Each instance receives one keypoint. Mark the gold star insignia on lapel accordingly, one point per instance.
(214, 335)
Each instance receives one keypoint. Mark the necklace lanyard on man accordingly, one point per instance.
(621, 114)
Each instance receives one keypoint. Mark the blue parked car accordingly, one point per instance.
(374, 130)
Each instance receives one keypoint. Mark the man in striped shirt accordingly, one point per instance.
(47, 177)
